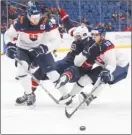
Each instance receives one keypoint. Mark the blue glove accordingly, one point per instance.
(40, 50)
(105, 76)
(11, 50)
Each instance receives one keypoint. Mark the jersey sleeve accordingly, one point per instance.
(109, 56)
(52, 39)
(66, 22)
(107, 45)
(79, 60)
(49, 26)
(10, 34)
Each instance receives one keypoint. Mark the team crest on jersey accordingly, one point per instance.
(42, 27)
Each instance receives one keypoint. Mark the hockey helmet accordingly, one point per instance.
(81, 32)
(33, 10)
(33, 13)
(99, 30)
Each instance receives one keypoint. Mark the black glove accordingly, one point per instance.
(40, 50)
(105, 76)
(86, 51)
(90, 49)
(11, 50)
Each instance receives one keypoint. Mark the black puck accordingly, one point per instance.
(82, 128)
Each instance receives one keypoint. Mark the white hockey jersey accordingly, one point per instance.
(31, 36)
(109, 57)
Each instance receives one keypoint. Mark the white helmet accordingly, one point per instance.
(81, 32)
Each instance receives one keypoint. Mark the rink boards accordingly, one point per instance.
(120, 40)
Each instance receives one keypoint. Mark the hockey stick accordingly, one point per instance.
(57, 4)
(98, 83)
(55, 100)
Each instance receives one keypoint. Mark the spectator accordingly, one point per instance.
(115, 16)
(128, 28)
(108, 27)
(12, 12)
(3, 17)
(85, 21)
(121, 17)
(3, 27)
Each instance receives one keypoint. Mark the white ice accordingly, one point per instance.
(109, 114)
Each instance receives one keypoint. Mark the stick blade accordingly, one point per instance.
(67, 114)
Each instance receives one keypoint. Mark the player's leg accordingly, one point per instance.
(60, 66)
(93, 75)
(24, 78)
(119, 74)
(71, 74)
(47, 64)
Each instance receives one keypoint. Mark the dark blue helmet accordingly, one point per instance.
(33, 10)
(99, 30)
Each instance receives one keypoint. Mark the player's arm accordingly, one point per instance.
(51, 37)
(85, 54)
(79, 60)
(10, 34)
(109, 58)
(66, 21)
(9, 41)
(54, 39)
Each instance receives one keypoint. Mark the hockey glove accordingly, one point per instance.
(40, 50)
(11, 50)
(86, 51)
(105, 76)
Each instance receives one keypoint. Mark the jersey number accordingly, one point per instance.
(33, 37)
(108, 43)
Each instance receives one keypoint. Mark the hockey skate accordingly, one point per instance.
(26, 99)
(67, 100)
(21, 100)
(83, 96)
(62, 81)
(31, 99)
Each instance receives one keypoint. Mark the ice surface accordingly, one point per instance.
(110, 113)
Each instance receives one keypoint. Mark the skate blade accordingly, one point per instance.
(31, 107)
(23, 104)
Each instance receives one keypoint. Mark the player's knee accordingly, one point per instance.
(22, 69)
(74, 73)
(53, 75)
(84, 80)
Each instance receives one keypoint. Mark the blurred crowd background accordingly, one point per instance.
(113, 15)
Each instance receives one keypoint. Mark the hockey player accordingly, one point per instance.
(76, 47)
(113, 67)
(36, 39)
